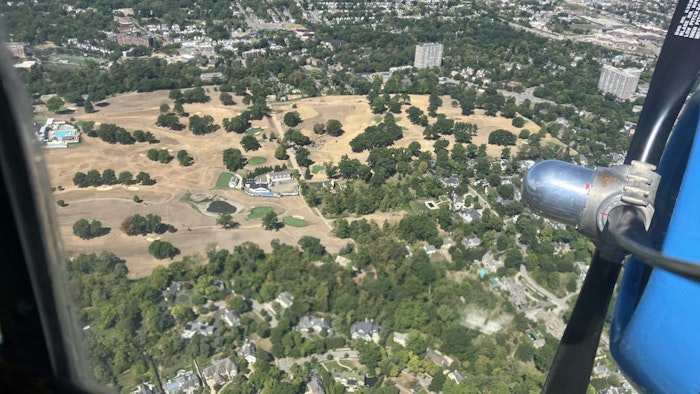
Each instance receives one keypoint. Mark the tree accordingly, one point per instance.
(125, 178)
(302, 157)
(502, 137)
(292, 119)
(164, 108)
(226, 99)
(281, 153)
(319, 128)
(61, 203)
(233, 159)
(162, 249)
(54, 103)
(87, 230)
(518, 121)
(334, 127)
(225, 220)
(80, 179)
(202, 124)
(89, 108)
(144, 178)
(270, 221)
(312, 247)
(108, 177)
(238, 124)
(169, 120)
(249, 142)
(183, 158)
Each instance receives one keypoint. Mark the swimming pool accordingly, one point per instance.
(64, 133)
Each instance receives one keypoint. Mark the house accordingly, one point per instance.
(144, 388)
(342, 261)
(279, 176)
(400, 338)
(371, 381)
(210, 77)
(333, 44)
(249, 351)
(438, 358)
(285, 299)
(315, 384)
(452, 181)
(456, 376)
(184, 382)
(193, 328)
(468, 215)
(365, 330)
(219, 372)
(457, 201)
(313, 324)
(429, 249)
(471, 242)
(171, 291)
(231, 318)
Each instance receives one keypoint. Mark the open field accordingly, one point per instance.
(195, 229)
(259, 212)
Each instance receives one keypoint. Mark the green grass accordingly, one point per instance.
(74, 59)
(254, 131)
(294, 222)
(256, 160)
(418, 206)
(259, 212)
(223, 180)
(317, 168)
(378, 118)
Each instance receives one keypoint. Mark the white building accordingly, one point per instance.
(621, 83)
(428, 55)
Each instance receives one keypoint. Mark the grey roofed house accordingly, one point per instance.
(438, 358)
(469, 214)
(231, 318)
(249, 351)
(315, 385)
(172, 290)
(429, 249)
(286, 299)
(185, 382)
(452, 181)
(471, 242)
(144, 388)
(456, 376)
(220, 371)
(279, 176)
(306, 323)
(195, 327)
(365, 330)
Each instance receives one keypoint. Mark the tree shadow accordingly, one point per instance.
(102, 104)
(104, 231)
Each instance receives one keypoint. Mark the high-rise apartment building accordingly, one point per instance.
(621, 83)
(428, 55)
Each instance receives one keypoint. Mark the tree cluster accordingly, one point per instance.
(88, 229)
(108, 177)
(143, 225)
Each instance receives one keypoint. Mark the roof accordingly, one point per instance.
(364, 329)
(218, 369)
(307, 322)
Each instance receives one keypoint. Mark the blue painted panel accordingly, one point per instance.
(655, 333)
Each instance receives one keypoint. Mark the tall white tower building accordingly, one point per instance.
(428, 55)
(621, 83)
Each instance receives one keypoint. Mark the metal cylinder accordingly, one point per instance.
(558, 190)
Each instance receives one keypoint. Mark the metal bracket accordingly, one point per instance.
(626, 185)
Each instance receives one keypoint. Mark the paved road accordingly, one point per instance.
(258, 308)
(285, 364)
(560, 303)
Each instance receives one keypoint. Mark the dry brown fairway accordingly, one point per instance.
(195, 230)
